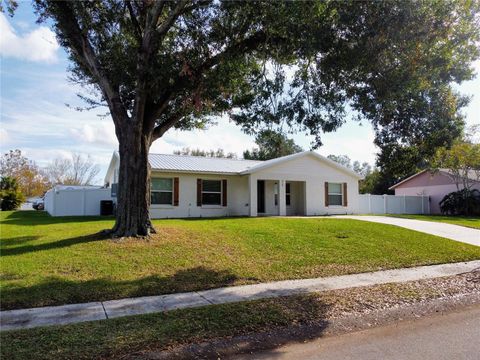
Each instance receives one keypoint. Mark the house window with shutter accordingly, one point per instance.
(211, 192)
(335, 194)
(162, 191)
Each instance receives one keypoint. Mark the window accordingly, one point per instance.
(162, 191)
(275, 194)
(287, 193)
(335, 194)
(211, 192)
(114, 190)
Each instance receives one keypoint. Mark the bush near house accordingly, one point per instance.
(463, 202)
(10, 196)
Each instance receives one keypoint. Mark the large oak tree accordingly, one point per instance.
(173, 64)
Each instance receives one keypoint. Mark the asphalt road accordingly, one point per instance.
(454, 335)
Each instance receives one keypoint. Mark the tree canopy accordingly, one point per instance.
(30, 179)
(360, 168)
(271, 144)
(462, 161)
(295, 64)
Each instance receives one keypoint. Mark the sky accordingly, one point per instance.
(35, 118)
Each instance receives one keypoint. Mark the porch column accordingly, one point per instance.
(252, 191)
(282, 201)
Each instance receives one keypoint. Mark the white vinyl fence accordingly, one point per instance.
(393, 204)
(75, 202)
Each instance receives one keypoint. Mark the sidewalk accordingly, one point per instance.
(67, 314)
(449, 231)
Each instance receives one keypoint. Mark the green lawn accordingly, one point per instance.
(472, 222)
(51, 261)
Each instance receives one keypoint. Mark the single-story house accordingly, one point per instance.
(435, 184)
(305, 183)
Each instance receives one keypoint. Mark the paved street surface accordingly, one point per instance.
(452, 336)
(449, 231)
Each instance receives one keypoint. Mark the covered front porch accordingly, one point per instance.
(277, 197)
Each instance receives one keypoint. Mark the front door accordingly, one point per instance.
(261, 196)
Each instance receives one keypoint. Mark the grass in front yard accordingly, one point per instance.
(52, 261)
(467, 221)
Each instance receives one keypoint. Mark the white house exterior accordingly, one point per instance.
(300, 184)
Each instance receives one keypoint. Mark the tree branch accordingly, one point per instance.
(240, 47)
(82, 48)
(136, 24)
(179, 9)
(159, 130)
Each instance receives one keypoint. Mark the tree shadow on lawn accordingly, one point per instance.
(58, 291)
(14, 241)
(7, 250)
(33, 218)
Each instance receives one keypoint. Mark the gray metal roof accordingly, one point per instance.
(183, 163)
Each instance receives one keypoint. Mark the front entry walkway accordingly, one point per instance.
(449, 231)
(67, 314)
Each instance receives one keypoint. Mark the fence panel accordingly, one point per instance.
(75, 202)
(392, 204)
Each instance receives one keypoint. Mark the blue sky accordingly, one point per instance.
(34, 117)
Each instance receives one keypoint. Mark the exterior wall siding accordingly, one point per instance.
(306, 174)
(237, 197)
(313, 174)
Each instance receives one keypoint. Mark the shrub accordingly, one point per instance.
(10, 197)
(463, 202)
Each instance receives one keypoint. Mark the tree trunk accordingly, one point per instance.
(133, 195)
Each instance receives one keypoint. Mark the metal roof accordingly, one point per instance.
(200, 164)
(184, 163)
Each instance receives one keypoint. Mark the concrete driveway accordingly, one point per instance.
(441, 337)
(449, 231)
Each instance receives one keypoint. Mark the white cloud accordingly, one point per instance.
(101, 133)
(37, 45)
(352, 140)
(225, 135)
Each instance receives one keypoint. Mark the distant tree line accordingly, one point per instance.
(22, 178)
(219, 153)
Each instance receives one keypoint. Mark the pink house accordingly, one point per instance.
(435, 185)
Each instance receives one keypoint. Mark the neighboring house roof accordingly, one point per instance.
(200, 164)
(472, 175)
